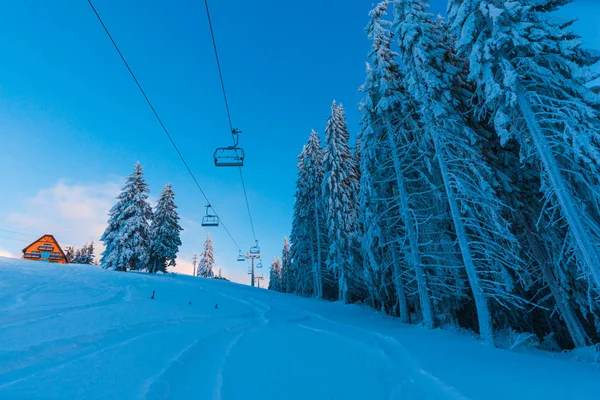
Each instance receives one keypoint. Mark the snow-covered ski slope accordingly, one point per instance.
(79, 332)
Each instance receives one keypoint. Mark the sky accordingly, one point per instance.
(73, 124)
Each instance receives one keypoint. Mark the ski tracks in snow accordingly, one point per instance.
(405, 378)
(197, 370)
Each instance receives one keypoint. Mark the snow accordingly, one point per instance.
(74, 331)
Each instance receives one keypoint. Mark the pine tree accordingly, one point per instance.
(127, 237)
(288, 274)
(487, 245)
(165, 232)
(70, 254)
(339, 192)
(90, 253)
(77, 257)
(85, 255)
(531, 73)
(308, 230)
(389, 160)
(207, 262)
(275, 275)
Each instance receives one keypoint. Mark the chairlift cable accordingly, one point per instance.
(214, 42)
(17, 233)
(164, 128)
(233, 133)
(17, 239)
(247, 203)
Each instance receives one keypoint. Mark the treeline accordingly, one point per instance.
(472, 196)
(137, 237)
(83, 255)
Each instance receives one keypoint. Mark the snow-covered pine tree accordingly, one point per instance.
(89, 249)
(388, 155)
(127, 237)
(165, 232)
(339, 191)
(77, 256)
(207, 261)
(85, 255)
(308, 245)
(531, 72)
(357, 159)
(275, 275)
(313, 167)
(288, 273)
(301, 240)
(489, 250)
(70, 254)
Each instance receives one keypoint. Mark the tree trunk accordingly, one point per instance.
(576, 331)
(342, 285)
(373, 266)
(317, 271)
(414, 257)
(399, 285)
(483, 313)
(587, 252)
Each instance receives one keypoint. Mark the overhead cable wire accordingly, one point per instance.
(16, 233)
(11, 238)
(164, 128)
(247, 203)
(214, 42)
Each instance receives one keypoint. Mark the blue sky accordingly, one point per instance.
(73, 124)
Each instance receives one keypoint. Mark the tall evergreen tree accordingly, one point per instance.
(165, 232)
(288, 274)
(127, 237)
(90, 253)
(308, 244)
(432, 74)
(70, 254)
(339, 191)
(207, 262)
(531, 74)
(275, 275)
(389, 130)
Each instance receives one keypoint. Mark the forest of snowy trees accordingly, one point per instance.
(138, 238)
(472, 197)
(84, 255)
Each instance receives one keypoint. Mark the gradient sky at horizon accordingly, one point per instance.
(73, 124)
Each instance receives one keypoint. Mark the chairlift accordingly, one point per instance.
(241, 256)
(230, 156)
(255, 249)
(259, 264)
(210, 219)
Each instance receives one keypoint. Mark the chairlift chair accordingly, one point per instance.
(230, 156)
(259, 264)
(241, 256)
(255, 249)
(210, 219)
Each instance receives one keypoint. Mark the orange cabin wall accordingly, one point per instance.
(46, 239)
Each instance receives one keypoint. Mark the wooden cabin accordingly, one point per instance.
(45, 249)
